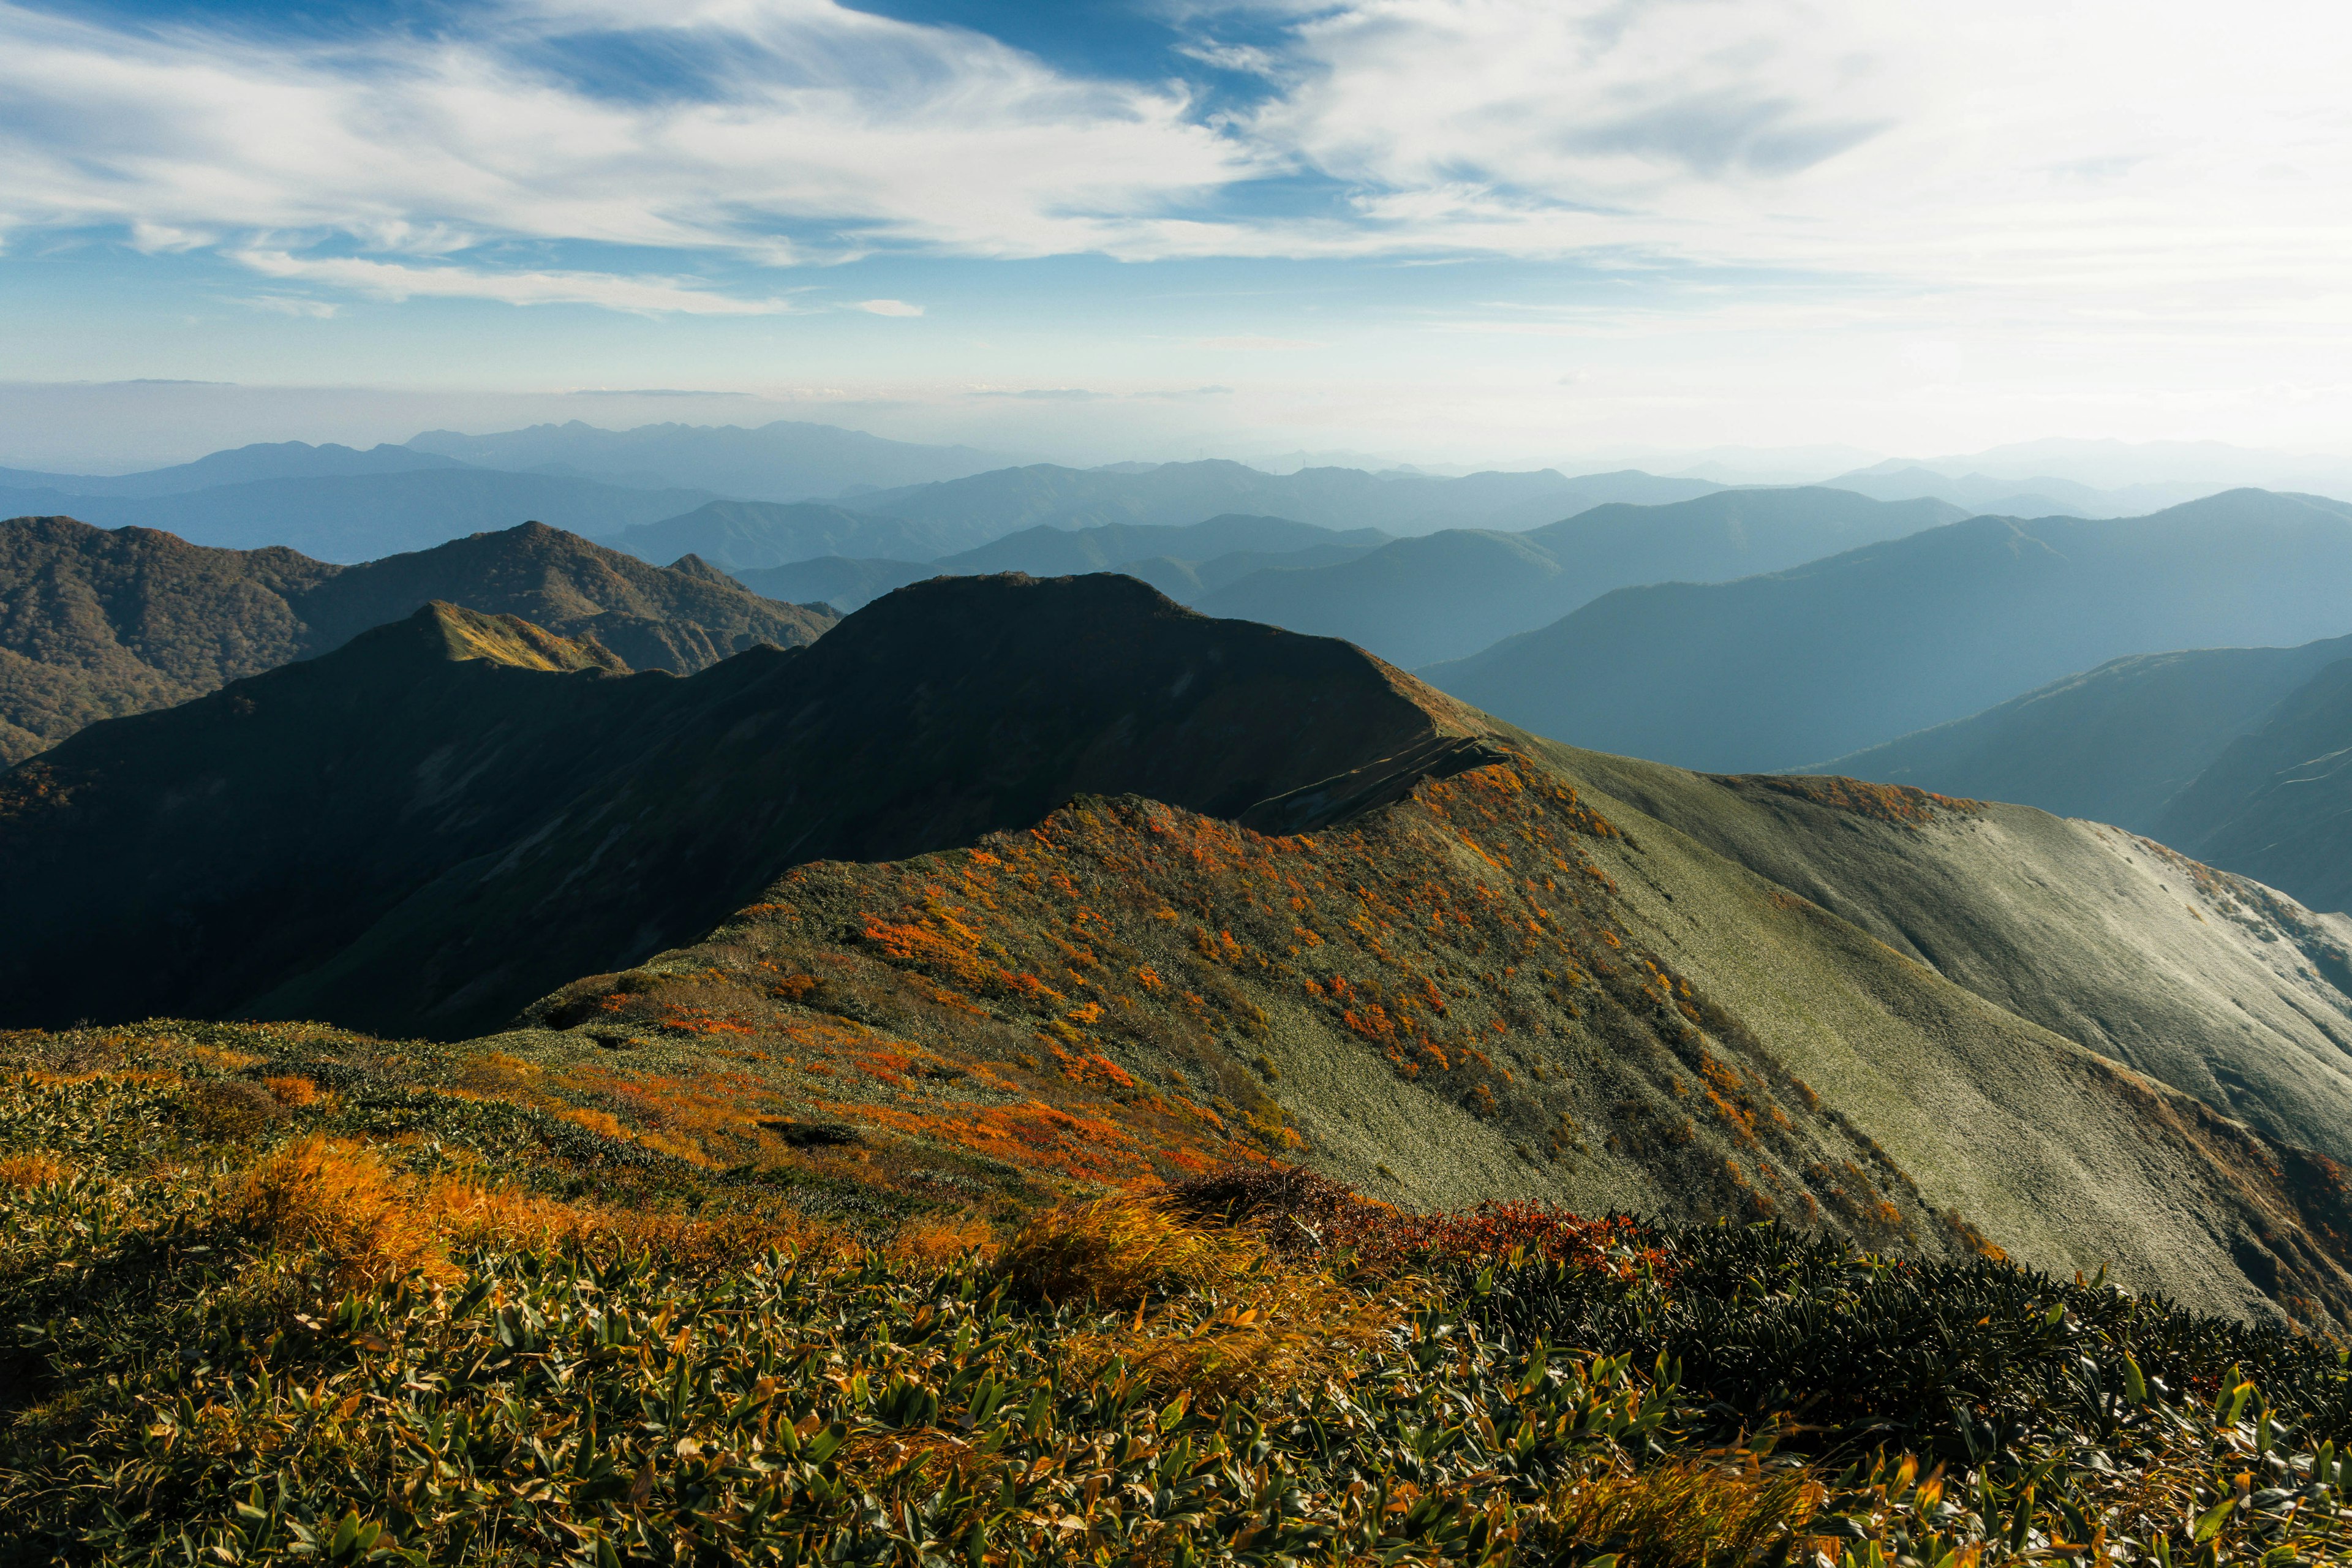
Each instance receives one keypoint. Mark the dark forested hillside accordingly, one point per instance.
(95, 624)
(1785, 670)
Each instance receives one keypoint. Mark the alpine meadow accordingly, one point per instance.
(1233, 785)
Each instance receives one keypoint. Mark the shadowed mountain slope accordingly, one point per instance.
(2277, 803)
(358, 517)
(948, 710)
(1451, 594)
(1352, 922)
(96, 624)
(1781, 670)
(2115, 743)
(1177, 494)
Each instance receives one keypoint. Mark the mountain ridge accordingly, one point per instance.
(1450, 594)
(1462, 961)
(95, 623)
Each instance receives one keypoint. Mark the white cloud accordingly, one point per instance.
(2094, 158)
(889, 308)
(398, 281)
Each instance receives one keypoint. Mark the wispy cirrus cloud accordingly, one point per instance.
(2088, 151)
(446, 281)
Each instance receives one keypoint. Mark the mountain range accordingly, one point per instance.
(350, 517)
(1785, 668)
(784, 461)
(1061, 873)
(1450, 594)
(95, 623)
(1174, 494)
(1184, 562)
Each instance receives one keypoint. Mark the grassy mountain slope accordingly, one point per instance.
(1176, 494)
(97, 623)
(1450, 594)
(784, 461)
(1373, 930)
(358, 517)
(1618, 1019)
(2113, 743)
(2212, 983)
(1784, 669)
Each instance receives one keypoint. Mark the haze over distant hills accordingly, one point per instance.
(1785, 670)
(2042, 495)
(1175, 494)
(1183, 562)
(746, 535)
(264, 461)
(1531, 965)
(1448, 594)
(2115, 744)
(96, 624)
(359, 517)
(786, 461)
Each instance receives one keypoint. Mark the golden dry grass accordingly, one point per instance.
(1216, 1314)
(939, 1240)
(291, 1091)
(341, 1205)
(36, 1168)
(1118, 1250)
(361, 1222)
(1686, 1513)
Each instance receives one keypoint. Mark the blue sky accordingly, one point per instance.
(1445, 230)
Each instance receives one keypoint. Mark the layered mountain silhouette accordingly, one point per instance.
(1784, 669)
(1185, 564)
(738, 535)
(358, 516)
(2276, 804)
(2115, 743)
(240, 465)
(1450, 594)
(1176, 494)
(784, 461)
(95, 624)
(995, 843)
